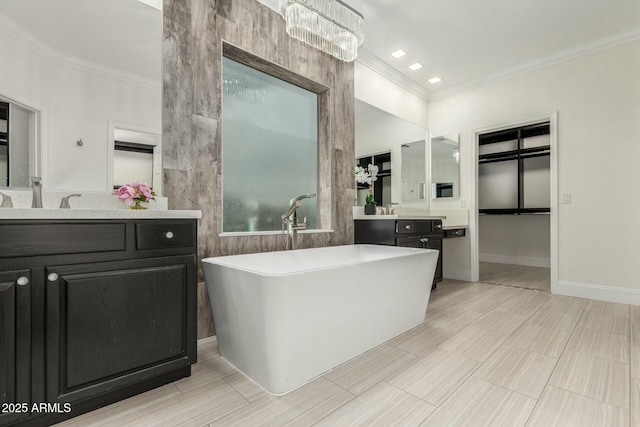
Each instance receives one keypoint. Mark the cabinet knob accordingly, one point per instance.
(424, 239)
(23, 281)
(438, 225)
(52, 277)
(169, 234)
(407, 227)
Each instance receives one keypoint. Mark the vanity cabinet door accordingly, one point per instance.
(15, 345)
(435, 243)
(114, 324)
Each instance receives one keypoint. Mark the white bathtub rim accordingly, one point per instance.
(407, 252)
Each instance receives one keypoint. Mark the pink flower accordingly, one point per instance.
(136, 191)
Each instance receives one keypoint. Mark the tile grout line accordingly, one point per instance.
(584, 310)
(482, 363)
(547, 385)
(415, 359)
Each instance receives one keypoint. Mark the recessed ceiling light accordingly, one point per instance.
(435, 80)
(398, 54)
(415, 67)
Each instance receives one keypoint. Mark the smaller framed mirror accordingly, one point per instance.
(445, 166)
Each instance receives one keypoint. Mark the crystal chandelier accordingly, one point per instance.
(328, 25)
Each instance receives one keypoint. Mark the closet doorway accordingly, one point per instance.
(515, 208)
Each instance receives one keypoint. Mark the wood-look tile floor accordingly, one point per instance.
(486, 355)
(519, 276)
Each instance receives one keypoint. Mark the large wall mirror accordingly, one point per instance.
(445, 166)
(380, 133)
(74, 75)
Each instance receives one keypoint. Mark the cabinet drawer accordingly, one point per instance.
(52, 239)
(406, 227)
(458, 232)
(160, 235)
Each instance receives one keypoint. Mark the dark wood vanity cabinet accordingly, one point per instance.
(94, 323)
(424, 233)
(15, 345)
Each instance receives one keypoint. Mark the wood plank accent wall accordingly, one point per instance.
(194, 31)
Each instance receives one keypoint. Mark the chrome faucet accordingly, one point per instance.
(64, 203)
(390, 210)
(36, 185)
(290, 220)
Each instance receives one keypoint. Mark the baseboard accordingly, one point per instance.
(517, 260)
(207, 339)
(598, 292)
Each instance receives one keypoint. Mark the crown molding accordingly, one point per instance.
(60, 58)
(376, 64)
(560, 56)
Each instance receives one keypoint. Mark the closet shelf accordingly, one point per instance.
(524, 153)
(523, 211)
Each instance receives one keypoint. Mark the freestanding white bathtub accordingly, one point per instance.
(283, 318)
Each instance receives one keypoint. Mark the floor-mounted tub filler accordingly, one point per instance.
(284, 318)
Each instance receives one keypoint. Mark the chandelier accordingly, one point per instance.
(328, 25)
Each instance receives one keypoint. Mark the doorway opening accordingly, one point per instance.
(515, 215)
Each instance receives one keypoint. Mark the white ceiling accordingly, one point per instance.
(123, 36)
(470, 42)
(465, 42)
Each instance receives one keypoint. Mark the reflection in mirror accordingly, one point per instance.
(17, 135)
(379, 132)
(445, 171)
(381, 186)
(136, 157)
(413, 171)
(68, 69)
(4, 144)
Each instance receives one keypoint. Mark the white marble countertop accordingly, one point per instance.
(29, 213)
(454, 227)
(379, 217)
(451, 218)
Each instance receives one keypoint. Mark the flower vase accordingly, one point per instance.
(136, 205)
(369, 209)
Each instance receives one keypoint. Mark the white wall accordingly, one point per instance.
(597, 97)
(74, 104)
(515, 239)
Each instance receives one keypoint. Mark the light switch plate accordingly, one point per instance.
(566, 198)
